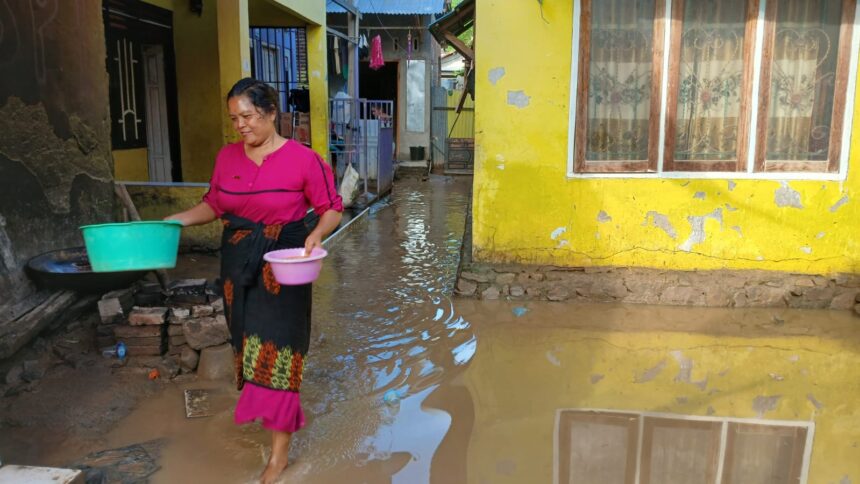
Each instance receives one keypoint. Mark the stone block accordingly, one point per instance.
(517, 291)
(178, 315)
(147, 316)
(764, 296)
(177, 340)
(609, 287)
(175, 330)
(683, 296)
(502, 279)
(466, 287)
(843, 300)
(216, 363)
(474, 277)
(202, 311)
(205, 332)
(114, 306)
(127, 331)
(218, 305)
(188, 359)
(490, 293)
(558, 293)
(167, 368)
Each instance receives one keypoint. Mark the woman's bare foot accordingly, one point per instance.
(272, 471)
(278, 460)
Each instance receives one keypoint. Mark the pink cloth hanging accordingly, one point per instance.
(376, 59)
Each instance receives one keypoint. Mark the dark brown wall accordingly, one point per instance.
(55, 162)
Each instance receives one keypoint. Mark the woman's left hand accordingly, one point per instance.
(313, 241)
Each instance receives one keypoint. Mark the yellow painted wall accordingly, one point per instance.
(131, 165)
(460, 125)
(526, 210)
(515, 401)
(201, 103)
(155, 203)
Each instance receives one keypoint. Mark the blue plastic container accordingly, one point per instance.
(132, 246)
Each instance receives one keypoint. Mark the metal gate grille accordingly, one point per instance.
(279, 58)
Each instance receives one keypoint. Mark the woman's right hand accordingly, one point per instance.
(177, 217)
(200, 214)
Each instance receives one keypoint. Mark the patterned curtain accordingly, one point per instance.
(711, 76)
(619, 89)
(802, 81)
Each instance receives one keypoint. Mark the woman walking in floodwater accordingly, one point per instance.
(261, 188)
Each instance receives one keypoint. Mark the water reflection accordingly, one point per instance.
(382, 301)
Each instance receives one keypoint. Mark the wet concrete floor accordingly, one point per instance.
(405, 385)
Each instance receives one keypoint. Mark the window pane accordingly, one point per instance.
(619, 85)
(762, 454)
(710, 83)
(803, 75)
(680, 451)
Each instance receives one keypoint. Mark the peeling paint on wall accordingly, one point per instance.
(699, 195)
(842, 201)
(518, 99)
(732, 185)
(738, 230)
(685, 373)
(557, 233)
(495, 74)
(660, 221)
(818, 405)
(730, 208)
(697, 226)
(786, 196)
(761, 405)
(603, 217)
(820, 235)
(651, 373)
(806, 249)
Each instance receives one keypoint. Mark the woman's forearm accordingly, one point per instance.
(200, 214)
(327, 223)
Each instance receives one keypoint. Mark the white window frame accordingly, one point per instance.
(749, 174)
(724, 421)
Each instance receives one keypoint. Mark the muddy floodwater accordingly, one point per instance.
(404, 384)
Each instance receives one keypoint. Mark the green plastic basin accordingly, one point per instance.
(132, 246)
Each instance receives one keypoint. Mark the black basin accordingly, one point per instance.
(70, 269)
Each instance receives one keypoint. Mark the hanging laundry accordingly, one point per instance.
(336, 55)
(376, 58)
(409, 46)
(363, 47)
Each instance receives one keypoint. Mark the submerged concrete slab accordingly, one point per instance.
(40, 475)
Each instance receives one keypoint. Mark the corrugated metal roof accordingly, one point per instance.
(393, 7)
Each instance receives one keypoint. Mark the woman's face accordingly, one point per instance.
(254, 126)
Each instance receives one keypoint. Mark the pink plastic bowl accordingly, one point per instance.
(291, 269)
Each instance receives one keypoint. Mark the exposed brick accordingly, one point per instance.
(147, 316)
